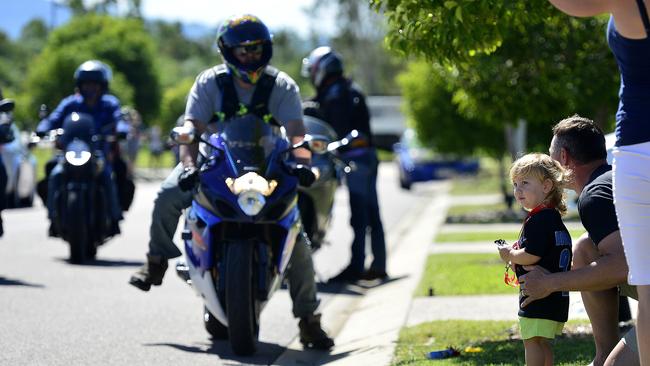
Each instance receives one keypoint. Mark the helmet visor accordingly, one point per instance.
(245, 50)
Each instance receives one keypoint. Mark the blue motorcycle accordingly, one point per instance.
(243, 223)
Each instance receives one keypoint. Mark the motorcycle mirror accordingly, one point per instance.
(318, 144)
(182, 135)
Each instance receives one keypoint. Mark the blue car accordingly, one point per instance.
(420, 164)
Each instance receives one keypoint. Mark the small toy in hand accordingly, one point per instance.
(508, 278)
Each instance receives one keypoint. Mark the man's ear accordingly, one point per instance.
(564, 157)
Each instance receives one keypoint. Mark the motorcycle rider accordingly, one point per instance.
(246, 47)
(342, 105)
(6, 136)
(91, 97)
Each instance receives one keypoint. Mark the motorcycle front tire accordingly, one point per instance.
(240, 299)
(77, 235)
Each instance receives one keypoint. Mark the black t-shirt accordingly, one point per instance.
(545, 236)
(596, 205)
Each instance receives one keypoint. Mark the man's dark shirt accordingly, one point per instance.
(344, 107)
(544, 235)
(596, 205)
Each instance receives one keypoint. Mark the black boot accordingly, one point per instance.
(151, 273)
(312, 334)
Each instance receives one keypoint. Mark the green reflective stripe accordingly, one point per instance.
(220, 115)
(267, 117)
(242, 109)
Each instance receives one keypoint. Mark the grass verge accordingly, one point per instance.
(488, 236)
(495, 338)
(464, 274)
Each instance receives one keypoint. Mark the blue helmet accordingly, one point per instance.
(93, 70)
(242, 31)
(320, 64)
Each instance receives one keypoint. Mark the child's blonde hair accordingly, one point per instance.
(542, 167)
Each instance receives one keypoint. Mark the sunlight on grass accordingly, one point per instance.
(488, 236)
(493, 337)
(464, 274)
(468, 209)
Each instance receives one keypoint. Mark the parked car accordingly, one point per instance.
(420, 164)
(20, 165)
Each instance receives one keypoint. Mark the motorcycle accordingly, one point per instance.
(316, 202)
(243, 223)
(81, 202)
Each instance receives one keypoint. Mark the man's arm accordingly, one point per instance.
(608, 271)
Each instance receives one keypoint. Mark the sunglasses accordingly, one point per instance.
(252, 49)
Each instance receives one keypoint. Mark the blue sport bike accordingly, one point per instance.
(243, 222)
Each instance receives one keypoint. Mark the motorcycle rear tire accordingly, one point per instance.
(214, 326)
(77, 235)
(240, 301)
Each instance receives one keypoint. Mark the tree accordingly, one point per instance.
(453, 31)
(432, 107)
(122, 43)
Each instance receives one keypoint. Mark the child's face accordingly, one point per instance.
(530, 192)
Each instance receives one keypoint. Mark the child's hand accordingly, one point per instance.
(504, 249)
(504, 253)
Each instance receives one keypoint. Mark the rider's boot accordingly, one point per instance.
(151, 273)
(312, 334)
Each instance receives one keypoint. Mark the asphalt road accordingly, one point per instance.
(55, 313)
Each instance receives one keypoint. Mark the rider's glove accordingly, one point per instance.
(306, 176)
(188, 179)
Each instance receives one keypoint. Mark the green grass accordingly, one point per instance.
(145, 160)
(494, 337)
(485, 182)
(468, 209)
(488, 236)
(42, 156)
(385, 155)
(464, 274)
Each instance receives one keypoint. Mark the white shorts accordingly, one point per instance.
(632, 200)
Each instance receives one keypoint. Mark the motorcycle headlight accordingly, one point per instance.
(77, 153)
(251, 202)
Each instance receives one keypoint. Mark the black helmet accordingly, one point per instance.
(320, 64)
(93, 70)
(244, 30)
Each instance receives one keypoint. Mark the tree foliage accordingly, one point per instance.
(122, 43)
(453, 31)
(432, 109)
(507, 61)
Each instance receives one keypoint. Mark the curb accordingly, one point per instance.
(367, 327)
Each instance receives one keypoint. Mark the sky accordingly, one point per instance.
(276, 14)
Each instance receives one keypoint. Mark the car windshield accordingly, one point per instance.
(250, 142)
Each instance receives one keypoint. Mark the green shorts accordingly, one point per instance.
(533, 327)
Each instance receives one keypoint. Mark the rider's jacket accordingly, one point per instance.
(343, 106)
(106, 114)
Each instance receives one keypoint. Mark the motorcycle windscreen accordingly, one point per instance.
(250, 142)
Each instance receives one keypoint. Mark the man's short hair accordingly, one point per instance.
(582, 139)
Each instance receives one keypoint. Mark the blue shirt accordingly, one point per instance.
(106, 114)
(633, 59)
